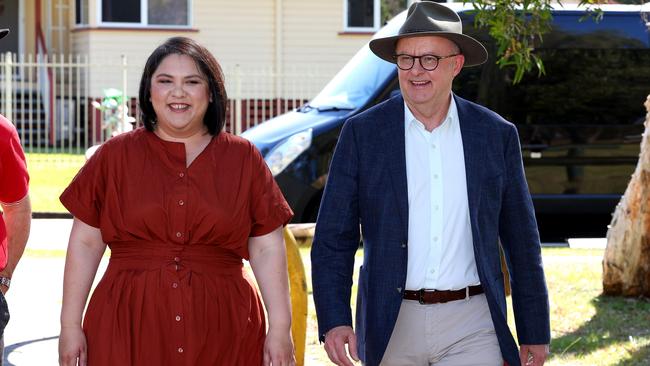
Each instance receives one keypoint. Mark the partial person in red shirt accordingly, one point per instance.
(16, 209)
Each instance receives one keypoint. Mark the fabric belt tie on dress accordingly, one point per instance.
(142, 255)
(438, 297)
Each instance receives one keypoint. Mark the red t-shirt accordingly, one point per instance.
(14, 179)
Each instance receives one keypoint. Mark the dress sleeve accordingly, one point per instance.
(269, 209)
(13, 170)
(84, 197)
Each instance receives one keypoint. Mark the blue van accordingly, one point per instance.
(580, 125)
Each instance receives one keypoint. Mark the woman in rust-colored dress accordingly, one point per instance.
(179, 203)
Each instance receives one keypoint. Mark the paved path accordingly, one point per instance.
(31, 338)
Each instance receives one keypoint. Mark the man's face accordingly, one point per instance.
(423, 88)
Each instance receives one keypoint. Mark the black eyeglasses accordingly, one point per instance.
(428, 62)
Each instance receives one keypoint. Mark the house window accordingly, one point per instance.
(81, 13)
(145, 12)
(362, 15)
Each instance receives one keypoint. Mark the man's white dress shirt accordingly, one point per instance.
(440, 251)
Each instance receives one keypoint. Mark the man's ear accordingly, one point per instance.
(459, 62)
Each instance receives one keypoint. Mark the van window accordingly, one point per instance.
(361, 78)
(599, 75)
(580, 124)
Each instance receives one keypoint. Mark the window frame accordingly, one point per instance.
(376, 18)
(84, 9)
(144, 18)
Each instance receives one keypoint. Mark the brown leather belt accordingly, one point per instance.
(438, 297)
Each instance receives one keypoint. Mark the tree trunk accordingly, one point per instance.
(626, 266)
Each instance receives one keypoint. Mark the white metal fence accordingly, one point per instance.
(48, 99)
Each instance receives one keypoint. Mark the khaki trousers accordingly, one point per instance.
(455, 333)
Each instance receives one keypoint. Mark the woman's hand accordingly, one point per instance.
(278, 348)
(72, 347)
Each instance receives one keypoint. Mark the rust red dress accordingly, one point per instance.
(175, 291)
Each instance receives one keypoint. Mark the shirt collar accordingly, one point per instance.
(450, 119)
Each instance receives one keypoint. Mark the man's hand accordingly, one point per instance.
(533, 354)
(335, 341)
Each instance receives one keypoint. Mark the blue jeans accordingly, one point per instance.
(4, 319)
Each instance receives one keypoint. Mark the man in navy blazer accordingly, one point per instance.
(436, 185)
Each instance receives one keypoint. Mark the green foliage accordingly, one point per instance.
(517, 26)
(390, 8)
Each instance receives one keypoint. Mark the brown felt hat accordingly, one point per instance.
(427, 18)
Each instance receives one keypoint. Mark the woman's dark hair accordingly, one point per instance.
(215, 115)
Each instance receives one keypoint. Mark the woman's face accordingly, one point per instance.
(180, 96)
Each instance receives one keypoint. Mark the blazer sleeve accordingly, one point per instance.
(520, 240)
(336, 238)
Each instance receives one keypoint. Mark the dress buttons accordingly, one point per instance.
(179, 234)
(403, 245)
(174, 285)
(178, 318)
(181, 203)
(177, 259)
(181, 174)
(180, 349)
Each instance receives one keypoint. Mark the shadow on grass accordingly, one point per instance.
(617, 320)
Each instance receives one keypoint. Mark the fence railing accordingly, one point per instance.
(49, 98)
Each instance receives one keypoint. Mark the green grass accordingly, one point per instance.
(588, 329)
(49, 175)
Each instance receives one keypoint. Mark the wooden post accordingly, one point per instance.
(298, 288)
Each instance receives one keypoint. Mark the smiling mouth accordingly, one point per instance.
(420, 83)
(178, 106)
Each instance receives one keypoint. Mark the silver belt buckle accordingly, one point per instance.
(466, 293)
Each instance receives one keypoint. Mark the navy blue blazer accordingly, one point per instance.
(367, 189)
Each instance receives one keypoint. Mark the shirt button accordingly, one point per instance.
(179, 234)
(181, 174)
(178, 318)
(180, 349)
(435, 238)
(435, 176)
(177, 259)
(433, 147)
(432, 271)
(181, 203)
(175, 285)
(403, 245)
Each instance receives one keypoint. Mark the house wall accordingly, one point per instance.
(242, 36)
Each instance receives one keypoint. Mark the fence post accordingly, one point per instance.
(9, 77)
(238, 121)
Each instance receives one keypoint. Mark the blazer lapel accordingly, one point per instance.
(474, 148)
(393, 144)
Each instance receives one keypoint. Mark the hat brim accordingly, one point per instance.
(474, 52)
(3, 33)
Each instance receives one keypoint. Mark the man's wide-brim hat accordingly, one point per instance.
(3, 33)
(427, 18)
